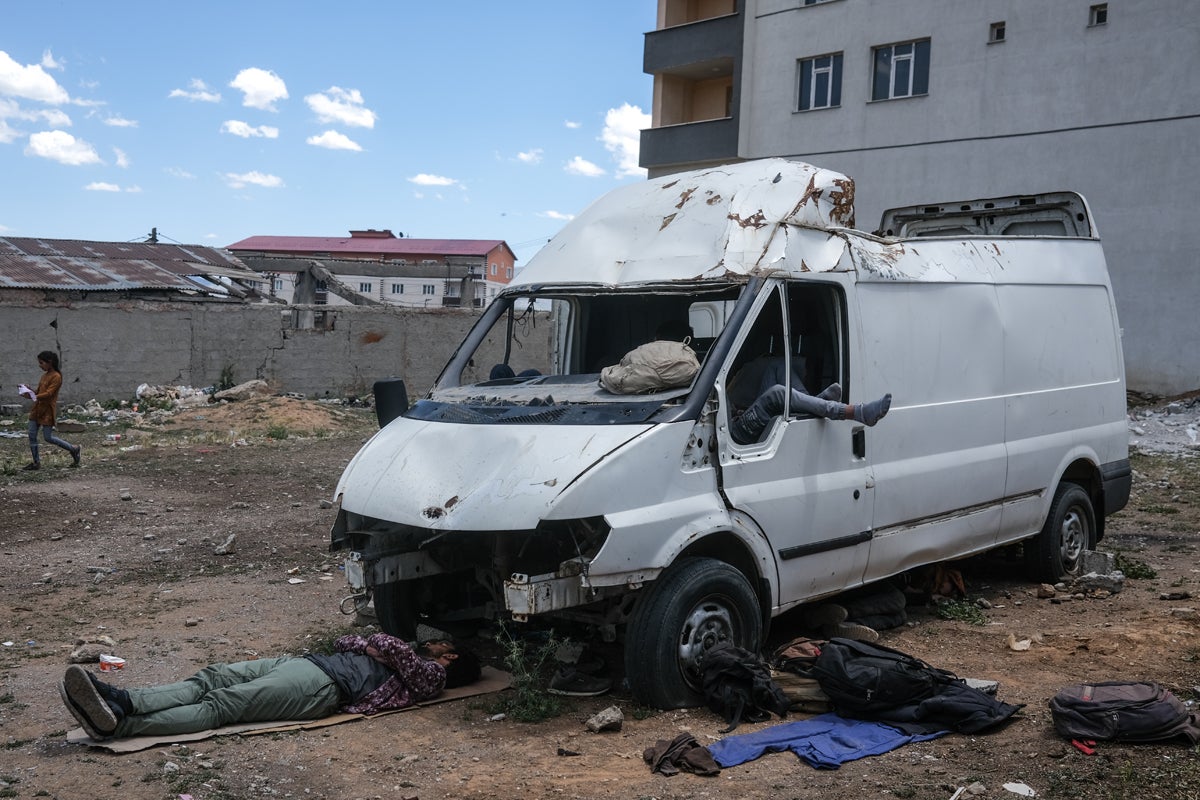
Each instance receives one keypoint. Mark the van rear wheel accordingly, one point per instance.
(1057, 552)
(695, 604)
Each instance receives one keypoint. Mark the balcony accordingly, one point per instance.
(693, 50)
(692, 143)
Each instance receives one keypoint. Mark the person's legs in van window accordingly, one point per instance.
(750, 424)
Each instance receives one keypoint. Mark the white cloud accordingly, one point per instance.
(122, 159)
(50, 62)
(102, 187)
(341, 106)
(29, 82)
(197, 92)
(120, 122)
(255, 178)
(581, 166)
(622, 137)
(135, 189)
(248, 131)
(50, 116)
(332, 140)
(8, 135)
(533, 156)
(556, 215)
(62, 147)
(176, 172)
(261, 87)
(572, 124)
(424, 179)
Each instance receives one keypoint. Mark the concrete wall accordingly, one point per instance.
(108, 349)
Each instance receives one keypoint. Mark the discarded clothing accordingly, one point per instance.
(824, 742)
(681, 753)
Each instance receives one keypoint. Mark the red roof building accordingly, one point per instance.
(385, 267)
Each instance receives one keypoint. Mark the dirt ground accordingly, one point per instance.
(124, 547)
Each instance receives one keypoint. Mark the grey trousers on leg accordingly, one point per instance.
(245, 691)
(749, 426)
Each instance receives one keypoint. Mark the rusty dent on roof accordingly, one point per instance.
(755, 220)
(684, 196)
(667, 220)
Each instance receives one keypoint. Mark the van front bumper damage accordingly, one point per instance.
(569, 587)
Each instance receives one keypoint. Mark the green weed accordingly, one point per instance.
(529, 701)
(1134, 568)
(961, 610)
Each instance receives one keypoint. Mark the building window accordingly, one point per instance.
(279, 284)
(397, 288)
(495, 268)
(428, 288)
(429, 262)
(901, 70)
(1098, 15)
(508, 273)
(996, 32)
(820, 82)
(364, 287)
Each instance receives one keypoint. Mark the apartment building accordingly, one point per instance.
(941, 100)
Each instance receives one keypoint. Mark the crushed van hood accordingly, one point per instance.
(446, 476)
(705, 224)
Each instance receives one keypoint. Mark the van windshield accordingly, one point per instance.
(536, 355)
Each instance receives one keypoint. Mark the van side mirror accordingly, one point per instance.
(391, 399)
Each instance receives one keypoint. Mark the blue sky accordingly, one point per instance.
(215, 120)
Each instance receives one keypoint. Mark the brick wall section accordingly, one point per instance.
(109, 349)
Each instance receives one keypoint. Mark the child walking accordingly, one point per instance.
(42, 415)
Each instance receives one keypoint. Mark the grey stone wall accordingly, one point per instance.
(109, 349)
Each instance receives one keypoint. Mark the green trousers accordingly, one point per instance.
(222, 694)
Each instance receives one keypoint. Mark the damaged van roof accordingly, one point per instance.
(727, 221)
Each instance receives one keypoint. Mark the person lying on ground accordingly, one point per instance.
(362, 676)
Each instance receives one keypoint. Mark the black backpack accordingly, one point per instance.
(1122, 711)
(864, 679)
(737, 685)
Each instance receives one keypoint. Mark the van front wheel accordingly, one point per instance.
(695, 604)
(1057, 552)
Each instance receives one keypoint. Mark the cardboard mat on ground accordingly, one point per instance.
(492, 680)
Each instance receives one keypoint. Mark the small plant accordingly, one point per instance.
(277, 432)
(961, 610)
(1134, 568)
(226, 379)
(529, 701)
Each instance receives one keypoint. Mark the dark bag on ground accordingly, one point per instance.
(868, 678)
(737, 685)
(1124, 712)
(873, 682)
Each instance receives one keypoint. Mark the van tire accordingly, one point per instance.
(1057, 552)
(696, 603)
(395, 609)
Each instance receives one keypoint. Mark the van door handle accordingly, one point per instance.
(858, 442)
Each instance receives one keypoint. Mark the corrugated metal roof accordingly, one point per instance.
(382, 246)
(72, 265)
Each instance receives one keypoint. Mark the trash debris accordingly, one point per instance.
(111, 663)
(228, 547)
(1021, 789)
(296, 580)
(1021, 644)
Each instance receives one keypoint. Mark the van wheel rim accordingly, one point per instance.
(1074, 536)
(709, 622)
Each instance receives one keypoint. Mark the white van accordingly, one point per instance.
(525, 488)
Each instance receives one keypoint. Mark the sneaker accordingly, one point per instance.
(852, 630)
(31, 467)
(573, 683)
(86, 705)
(118, 699)
(75, 455)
